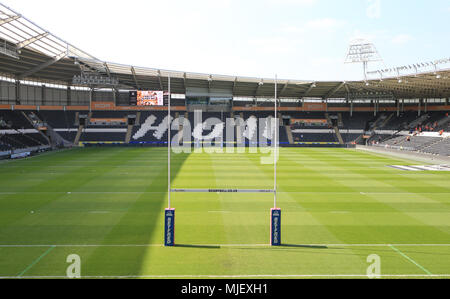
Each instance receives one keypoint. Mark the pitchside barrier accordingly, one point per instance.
(275, 212)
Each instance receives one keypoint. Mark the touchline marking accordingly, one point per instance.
(221, 245)
(36, 261)
(236, 276)
(411, 260)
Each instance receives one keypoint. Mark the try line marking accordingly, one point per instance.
(226, 245)
(207, 191)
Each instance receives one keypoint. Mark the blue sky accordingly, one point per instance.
(296, 39)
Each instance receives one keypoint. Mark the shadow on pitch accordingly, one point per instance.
(197, 246)
(291, 247)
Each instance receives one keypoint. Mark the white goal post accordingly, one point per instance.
(275, 220)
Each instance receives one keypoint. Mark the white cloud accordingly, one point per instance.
(401, 39)
(274, 45)
(372, 36)
(323, 25)
(328, 24)
(218, 4)
(293, 2)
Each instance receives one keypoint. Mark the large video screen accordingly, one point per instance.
(150, 98)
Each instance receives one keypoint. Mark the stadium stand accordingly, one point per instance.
(382, 129)
(15, 120)
(318, 137)
(18, 132)
(4, 146)
(89, 100)
(59, 119)
(440, 147)
(144, 130)
(105, 126)
(20, 141)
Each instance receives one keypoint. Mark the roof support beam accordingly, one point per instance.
(184, 83)
(310, 88)
(115, 90)
(108, 72)
(210, 80)
(8, 20)
(234, 85)
(43, 65)
(17, 85)
(347, 88)
(31, 40)
(161, 85)
(260, 84)
(334, 90)
(284, 88)
(134, 77)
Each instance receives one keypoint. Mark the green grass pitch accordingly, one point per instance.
(106, 205)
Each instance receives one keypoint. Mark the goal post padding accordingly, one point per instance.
(169, 227)
(275, 227)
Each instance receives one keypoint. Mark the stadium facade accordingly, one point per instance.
(53, 94)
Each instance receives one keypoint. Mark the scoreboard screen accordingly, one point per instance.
(150, 98)
(146, 98)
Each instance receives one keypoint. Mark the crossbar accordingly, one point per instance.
(222, 191)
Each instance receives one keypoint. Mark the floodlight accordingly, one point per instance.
(362, 51)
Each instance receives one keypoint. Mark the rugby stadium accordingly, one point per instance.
(268, 177)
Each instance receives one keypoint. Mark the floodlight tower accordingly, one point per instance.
(362, 51)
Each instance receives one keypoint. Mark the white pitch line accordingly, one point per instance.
(149, 192)
(237, 276)
(225, 245)
(287, 192)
